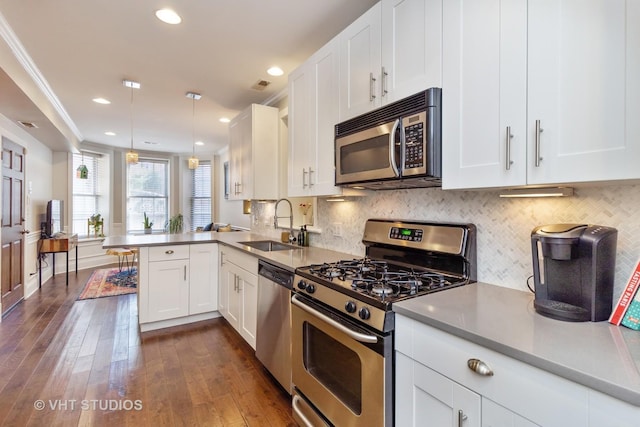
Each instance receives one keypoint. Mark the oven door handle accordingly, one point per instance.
(353, 334)
(298, 411)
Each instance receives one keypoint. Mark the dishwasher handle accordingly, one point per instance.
(279, 275)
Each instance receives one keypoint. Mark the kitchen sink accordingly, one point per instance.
(269, 245)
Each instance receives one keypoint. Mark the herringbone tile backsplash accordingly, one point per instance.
(504, 225)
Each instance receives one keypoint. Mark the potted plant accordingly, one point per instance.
(175, 224)
(96, 223)
(147, 224)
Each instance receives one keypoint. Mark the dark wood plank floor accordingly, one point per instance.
(86, 363)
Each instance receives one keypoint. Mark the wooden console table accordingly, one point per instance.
(53, 246)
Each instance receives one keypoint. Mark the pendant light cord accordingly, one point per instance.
(193, 125)
(131, 116)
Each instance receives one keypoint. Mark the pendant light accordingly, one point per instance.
(132, 156)
(82, 172)
(193, 160)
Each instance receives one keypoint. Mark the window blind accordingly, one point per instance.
(147, 192)
(90, 196)
(200, 212)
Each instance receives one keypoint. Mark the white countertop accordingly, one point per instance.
(598, 355)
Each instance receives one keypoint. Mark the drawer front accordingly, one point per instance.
(167, 253)
(537, 395)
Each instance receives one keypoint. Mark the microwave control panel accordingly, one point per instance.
(414, 141)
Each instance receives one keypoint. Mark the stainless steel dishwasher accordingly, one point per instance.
(273, 335)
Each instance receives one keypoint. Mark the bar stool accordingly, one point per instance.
(123, 255)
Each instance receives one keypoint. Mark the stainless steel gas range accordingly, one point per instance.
(343, 323)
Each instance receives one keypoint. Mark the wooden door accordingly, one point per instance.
(13, 162)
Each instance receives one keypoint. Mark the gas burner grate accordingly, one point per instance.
(382, 280)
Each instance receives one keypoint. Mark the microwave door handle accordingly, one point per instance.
(392, 148)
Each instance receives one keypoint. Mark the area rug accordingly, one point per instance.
(108, 282)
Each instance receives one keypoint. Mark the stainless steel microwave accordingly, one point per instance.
(396, 146)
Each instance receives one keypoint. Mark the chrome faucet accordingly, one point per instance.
(275, 219)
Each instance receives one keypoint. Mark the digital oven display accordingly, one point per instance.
(409, 234)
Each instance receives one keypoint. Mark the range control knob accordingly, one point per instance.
(302, 284)
(364, 313)
(311, 288)
(350, 306)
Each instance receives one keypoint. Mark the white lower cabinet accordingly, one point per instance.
(168, 290)
(516, 394)
(203, 278)
(426, 398)
(238, 301)
(178, 284)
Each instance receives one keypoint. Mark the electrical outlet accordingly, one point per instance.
(337, 229)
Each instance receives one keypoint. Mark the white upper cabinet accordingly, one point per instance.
(559, 75)
(360, 64)
(411, 47)
(253, 153)
(392, 51)
(484, 89)
(313, 113)
(299, 143)
(583, 90)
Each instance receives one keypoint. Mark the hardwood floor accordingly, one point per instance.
(86, 363)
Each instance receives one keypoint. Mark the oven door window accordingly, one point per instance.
(334, 365)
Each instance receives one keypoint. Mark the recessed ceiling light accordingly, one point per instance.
(168, 16)
(275, 71)
(199, 143)
(225, 120)
(109, 133)
(101, 101)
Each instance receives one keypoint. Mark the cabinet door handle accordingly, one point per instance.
(169, 252)
(304, 175)
(185, 273)
(461, 417)
(538, 132)
(509, 162)
(479, 367)
(310, 180)
(384, 82)
(372, 89)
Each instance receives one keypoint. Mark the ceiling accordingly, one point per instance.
(56, 56)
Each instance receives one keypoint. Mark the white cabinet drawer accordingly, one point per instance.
(537, 395)
(167, 253)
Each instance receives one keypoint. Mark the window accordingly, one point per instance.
(147, 192)
(90, 195)
(201, 195)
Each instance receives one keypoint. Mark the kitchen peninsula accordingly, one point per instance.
(178, 274)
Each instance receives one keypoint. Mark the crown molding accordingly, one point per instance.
(23, 58)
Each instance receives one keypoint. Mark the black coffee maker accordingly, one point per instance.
(573, 269)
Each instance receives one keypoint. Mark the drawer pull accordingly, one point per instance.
(169, 252)
(479, 367)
